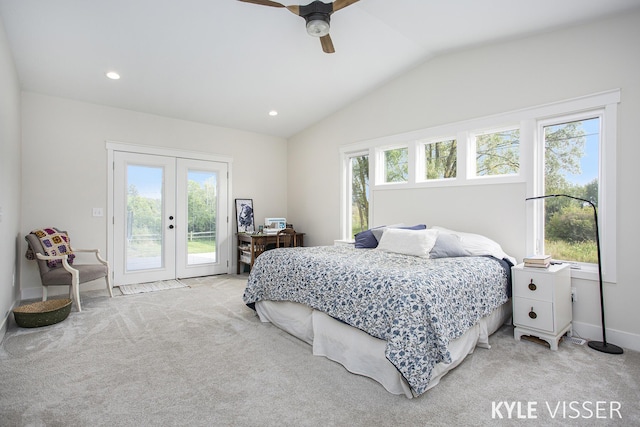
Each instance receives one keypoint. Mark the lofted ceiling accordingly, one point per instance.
(228, 63)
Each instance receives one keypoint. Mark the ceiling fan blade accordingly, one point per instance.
(327, 44)
(341, 4)
(264, 3)
(294, 9)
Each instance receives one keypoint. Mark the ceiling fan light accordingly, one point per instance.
(317, 28)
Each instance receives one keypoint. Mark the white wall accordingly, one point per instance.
(488, 80)
(65, 166)
(9, 182)
(463, 207)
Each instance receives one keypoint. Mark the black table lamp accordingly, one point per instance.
(602, 346)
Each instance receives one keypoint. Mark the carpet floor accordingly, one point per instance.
(197, 356)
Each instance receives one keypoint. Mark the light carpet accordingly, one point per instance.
(140, 288)
(197, 356)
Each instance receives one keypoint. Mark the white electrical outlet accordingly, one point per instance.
(574, 340)
(97, 212)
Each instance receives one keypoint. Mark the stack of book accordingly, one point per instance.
(537, 261)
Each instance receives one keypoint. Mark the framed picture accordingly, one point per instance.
(244, 216)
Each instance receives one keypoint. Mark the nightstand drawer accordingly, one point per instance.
(532, 313)
(533, 284)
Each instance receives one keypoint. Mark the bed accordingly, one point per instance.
(400, 313)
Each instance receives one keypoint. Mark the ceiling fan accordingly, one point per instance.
(317, 16)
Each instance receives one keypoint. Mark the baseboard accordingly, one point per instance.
(622, 339)
(3, 327)
(5, 320)
(33, 293)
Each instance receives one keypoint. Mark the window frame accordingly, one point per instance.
(606, 190)
(472, 141)
(381, 164)
(346, 205)
(420, 168)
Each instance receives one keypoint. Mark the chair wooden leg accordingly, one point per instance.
(109, 287)
(77, 298)
(75, 287)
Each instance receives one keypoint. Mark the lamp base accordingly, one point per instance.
(605, 347)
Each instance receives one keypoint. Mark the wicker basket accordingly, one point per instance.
(42, 313)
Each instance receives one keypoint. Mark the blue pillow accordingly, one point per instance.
(366, 239)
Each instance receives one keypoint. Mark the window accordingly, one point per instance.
(566, 147)
(497, 153)
(440, 159)
(359, 195)
(574, 153)
(571, 167)
(396, 165)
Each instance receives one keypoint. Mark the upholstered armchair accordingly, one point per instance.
(56, 270)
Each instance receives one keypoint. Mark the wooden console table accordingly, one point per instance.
(250, 246)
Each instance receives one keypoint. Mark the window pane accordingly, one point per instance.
(396, 165)
(440, 159)
(144, 217)
(498, 153)
(571, 168)
(359, 194)
(201, 212)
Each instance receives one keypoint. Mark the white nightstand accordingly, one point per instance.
(542, 302)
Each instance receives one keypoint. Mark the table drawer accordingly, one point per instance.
(533, 284)
(532, 313)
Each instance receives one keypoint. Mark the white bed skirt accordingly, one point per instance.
(363, 354)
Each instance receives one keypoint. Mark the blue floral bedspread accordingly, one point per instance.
(417, 305)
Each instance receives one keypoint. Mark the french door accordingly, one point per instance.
(169, 218)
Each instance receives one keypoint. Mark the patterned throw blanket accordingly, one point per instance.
(54, 243)
(417, 305)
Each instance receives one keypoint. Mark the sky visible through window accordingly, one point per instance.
(148, 179)
(589, 161)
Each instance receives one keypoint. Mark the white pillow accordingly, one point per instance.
(408, 242)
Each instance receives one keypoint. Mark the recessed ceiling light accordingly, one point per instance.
(113, 75)
(273, 113)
